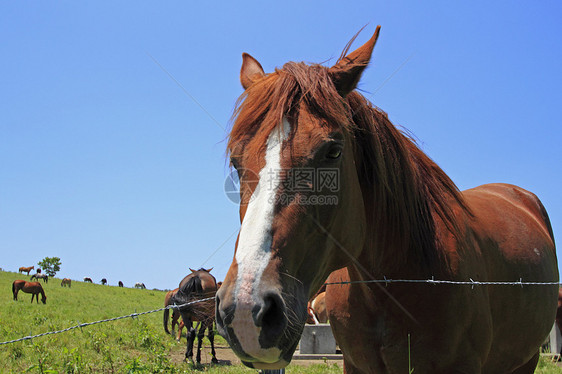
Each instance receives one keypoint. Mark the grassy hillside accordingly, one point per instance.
(108, 347)
(130, 345)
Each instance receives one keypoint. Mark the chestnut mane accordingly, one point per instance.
(404, 191)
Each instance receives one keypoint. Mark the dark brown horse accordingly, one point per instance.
(327, 182)
(66, 282)
(27, 270)
(103, 281)
(34, 288)
(88, 280)
(176, 315)
(120, 284)
(198, 285)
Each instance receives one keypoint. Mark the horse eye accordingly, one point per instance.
(334, 153)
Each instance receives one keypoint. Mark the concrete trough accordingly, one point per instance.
(317, 339)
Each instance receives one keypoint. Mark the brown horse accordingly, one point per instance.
(175, 313)
(200, 284)
(66, 282)
(27, 270)
(34, 288)
(327, 182)
(317, 312)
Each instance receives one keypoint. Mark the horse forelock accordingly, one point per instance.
(264, 105)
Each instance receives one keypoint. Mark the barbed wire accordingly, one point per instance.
(80, 325)
(470, 282)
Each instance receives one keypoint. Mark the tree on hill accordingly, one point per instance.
(50, 265)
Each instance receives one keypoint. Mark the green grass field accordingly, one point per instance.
(130, 345)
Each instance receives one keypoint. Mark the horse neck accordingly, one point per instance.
(409, 201)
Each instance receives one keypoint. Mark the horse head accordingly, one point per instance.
(301, 202)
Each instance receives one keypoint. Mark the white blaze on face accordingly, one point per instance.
(254, 247)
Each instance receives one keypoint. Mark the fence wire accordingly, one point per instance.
(470, 282)
(80, 325)
(386, 281)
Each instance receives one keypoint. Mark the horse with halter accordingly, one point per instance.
(66, 282)
(34, 288)
(392, 213)
(198, 285)
(38, 276)
(27, 270)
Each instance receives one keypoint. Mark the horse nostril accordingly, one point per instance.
(271, 317)
(218, 316)
(223, 315)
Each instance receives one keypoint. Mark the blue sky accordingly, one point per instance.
(108, 161)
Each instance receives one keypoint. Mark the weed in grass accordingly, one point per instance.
(72, 361)
(546, 366)
(135, 366)
(39, 320)
(16, 352)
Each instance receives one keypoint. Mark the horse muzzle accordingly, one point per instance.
(256, 327)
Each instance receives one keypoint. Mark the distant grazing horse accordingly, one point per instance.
(140, 285)
(120, 284)
(66, 282)
(27, 270)
(200, 284)
(88, 280)
(328, 182)
(103, 281)
(34, 288)
(38, 276)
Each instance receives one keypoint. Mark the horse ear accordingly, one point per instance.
(193, 271)
(251, 71)
(209, 270)
(347, 72)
